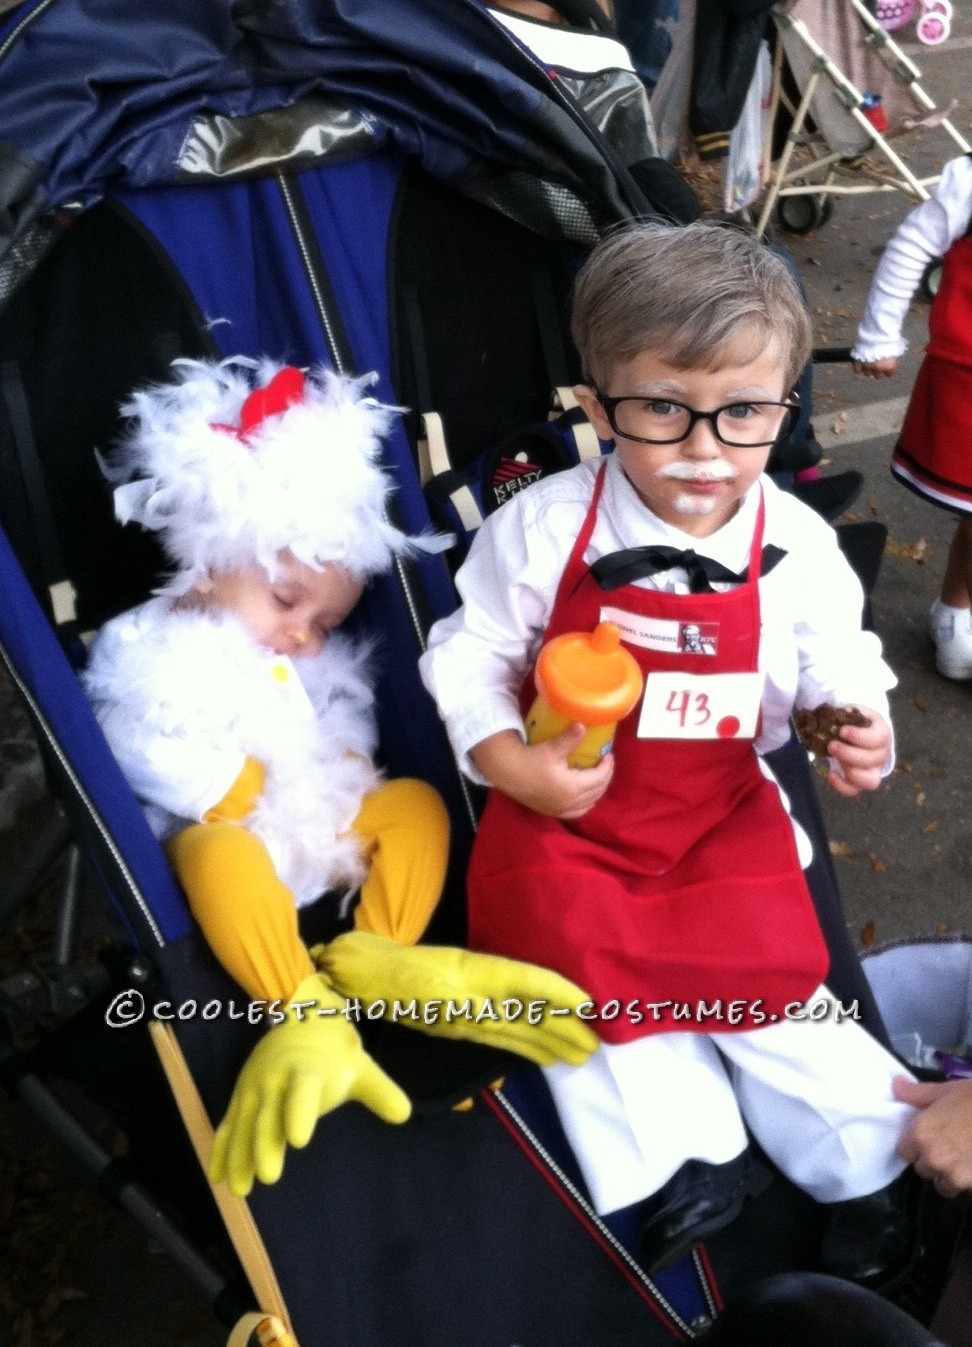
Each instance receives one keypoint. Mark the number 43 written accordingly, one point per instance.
(700, 706)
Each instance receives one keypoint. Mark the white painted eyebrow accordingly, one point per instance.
(654, 388)
(678, 393)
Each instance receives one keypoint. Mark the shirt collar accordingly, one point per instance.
(729, 545)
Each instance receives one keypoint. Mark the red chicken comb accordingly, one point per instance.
(284, 389)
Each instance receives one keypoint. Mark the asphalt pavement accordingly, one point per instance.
(903, 855)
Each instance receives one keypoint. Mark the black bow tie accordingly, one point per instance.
(624, 568)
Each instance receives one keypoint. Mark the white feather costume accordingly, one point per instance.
(233, 463)
(184, 697)
(224, 494)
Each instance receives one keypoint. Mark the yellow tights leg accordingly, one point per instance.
(249, 917)
(405, 828)
(246, 914)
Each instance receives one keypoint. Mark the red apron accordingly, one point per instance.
(932, 454)
(683, 882)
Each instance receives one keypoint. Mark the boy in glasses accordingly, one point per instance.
(668, 880)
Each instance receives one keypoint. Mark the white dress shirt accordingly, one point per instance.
(923, 237)
(812, 649)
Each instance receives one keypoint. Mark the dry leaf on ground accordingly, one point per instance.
(908, 551)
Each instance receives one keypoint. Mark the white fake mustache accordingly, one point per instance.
(719, 471)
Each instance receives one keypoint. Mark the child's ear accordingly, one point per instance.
(594, 411)
(204, 585)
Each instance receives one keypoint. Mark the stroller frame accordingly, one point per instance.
(818, 178)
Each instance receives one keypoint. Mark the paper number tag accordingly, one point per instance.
(700, 706)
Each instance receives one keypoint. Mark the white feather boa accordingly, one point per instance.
(171, 688)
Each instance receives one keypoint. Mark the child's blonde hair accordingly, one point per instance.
(688, 291)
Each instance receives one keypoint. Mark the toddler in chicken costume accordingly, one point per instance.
(243, 720)
(671, 875)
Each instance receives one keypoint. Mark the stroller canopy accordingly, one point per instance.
(177, 92)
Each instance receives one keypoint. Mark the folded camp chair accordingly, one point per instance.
(463, 1226)
(860, 97)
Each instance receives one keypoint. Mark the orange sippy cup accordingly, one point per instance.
(587, 678)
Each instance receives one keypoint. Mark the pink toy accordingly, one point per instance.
(894, 14)
(935, 23)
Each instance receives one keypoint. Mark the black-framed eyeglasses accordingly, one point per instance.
(741, 425)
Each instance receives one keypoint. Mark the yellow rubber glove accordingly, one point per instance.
(299, 1071)
(374, 969)
(239, 800)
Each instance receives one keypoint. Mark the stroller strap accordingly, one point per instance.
(267, 1328)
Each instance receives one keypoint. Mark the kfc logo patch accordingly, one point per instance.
(698, 638)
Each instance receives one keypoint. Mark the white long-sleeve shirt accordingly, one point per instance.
(812, 649)
(925, 235)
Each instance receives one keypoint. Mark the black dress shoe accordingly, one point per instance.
(871, 1239)
(697, 1200)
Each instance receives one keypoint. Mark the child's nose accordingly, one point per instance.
(299, 635)
(702, 441)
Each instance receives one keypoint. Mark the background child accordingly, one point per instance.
(244, 722)
(670, 872)
(932, 454)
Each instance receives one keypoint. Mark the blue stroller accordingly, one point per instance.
(354, 185)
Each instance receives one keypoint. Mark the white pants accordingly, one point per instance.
(815, 1094)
